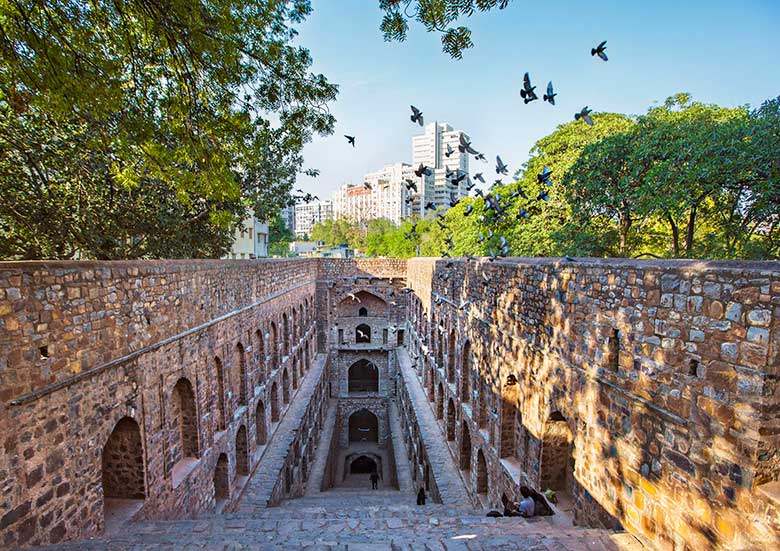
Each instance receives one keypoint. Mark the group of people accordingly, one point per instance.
(533, 504)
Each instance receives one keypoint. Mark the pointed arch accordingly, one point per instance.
(440, 402)
(363, 426)
(221, 480)
(274, 403)
(450, 420)
(286, 386)
(221, 406)
(465, 372)
(122, 470)
(242, 452)
(260, 355)
(239, 361)
(482, 474)
(465, 447)
(451, 357)
(260, 428)
(285, 335)
(183, 422)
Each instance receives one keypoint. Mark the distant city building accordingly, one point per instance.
(384, 197)
(354, 203)
(250, 240)
(288, 217)
(308, 214)
(304, 248)
(431, 150)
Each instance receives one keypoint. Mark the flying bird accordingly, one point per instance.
(584, 114)
(544, 176)
(449, 151)
(465, 146)
(478, 176)
(550, 95)
(350, 140)
(361, 334)
(599, 51)
(410, 184)
(367, 185)
(423, 170)
(468, 210)
(527, 93)
(543, 196)
(501, 168)
(464, 304)
(523, 213)
(354, 297)
(430, 206)
(481, 157)
(417, 116)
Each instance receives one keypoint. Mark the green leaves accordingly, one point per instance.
(435, 16)
(209, 101)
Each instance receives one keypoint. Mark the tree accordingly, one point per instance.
(279, 237)
(435, 16)
(181, 95)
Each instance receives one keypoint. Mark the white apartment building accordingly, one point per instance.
(430, 150)
(250, 240)
(308, 214)
(386, 198)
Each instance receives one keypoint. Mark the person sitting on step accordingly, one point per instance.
(527, 506)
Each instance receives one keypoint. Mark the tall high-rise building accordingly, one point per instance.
(309, 214)
(438, 150)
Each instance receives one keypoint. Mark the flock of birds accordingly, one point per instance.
(495, 204)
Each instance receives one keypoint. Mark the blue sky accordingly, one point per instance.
(723, 52)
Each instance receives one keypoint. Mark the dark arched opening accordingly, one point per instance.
(482, 476)
(363, 427)
(184, 421)
(450, 420)
(362, 333)
(274, 403)
(465, 447)
(363, 376)
(242, 452)
(260, 431)
(363, 465)
(221, 480)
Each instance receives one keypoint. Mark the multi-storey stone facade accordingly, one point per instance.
(643, 392)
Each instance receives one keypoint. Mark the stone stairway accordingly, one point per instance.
(358, 519)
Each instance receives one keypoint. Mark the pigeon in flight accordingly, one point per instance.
(481, 157)
(584, 114)
(410, 184)
(527, 93)
(544, 176)
(350, 140)
(354, 297)
(465, 146)
(430, 206)
(523, 213)
(478, 176)
(362, 336)
(501, 168)
(550, 95)
(599, 51)
(470, 184)
(543, 196)
(457, 177)
(417, 116)
(449, 151)
(367, 185)
(423, 170)
(468, 210)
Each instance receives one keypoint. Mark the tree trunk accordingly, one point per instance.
(625, 226)
(675, 235)
(689, 231)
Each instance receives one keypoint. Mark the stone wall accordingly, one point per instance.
(87, 349)
(645, 389)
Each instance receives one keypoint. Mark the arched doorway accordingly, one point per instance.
(295, 372)
(363, 333)
(450, 420)
(285, 335)
(557, 464)
(363, 465)
(221, 480)
(240, 363)
(465, 447)
(242, 452)
(184, 422)
(363, 427)
(274, 344)
(260, 433)
(222, 411)
(440, 403)
(362, 312)
(465, 372)
(122, 470)
(482, 475)
(285, 386)
(363, 376)
(260, 355)
(451, 358)
(274, 403)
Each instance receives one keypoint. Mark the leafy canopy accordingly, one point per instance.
(200, 106)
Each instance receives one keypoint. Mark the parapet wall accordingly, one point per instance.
(647, 388)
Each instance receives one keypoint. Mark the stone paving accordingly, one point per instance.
(448, 479)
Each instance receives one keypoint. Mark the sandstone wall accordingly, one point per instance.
(85, 346)
(646, 389)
